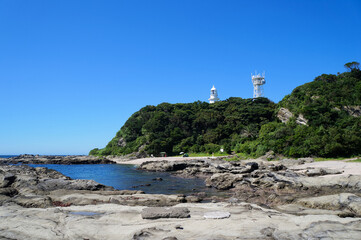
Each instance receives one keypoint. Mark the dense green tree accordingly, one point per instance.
(352, 65)
(191, 127)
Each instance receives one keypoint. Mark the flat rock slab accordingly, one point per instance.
(216, 215)
(165, 212)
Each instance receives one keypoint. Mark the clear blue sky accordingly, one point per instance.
(72, 72)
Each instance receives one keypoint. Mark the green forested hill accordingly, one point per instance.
(330, 107)
(331, 104)
(190, 127)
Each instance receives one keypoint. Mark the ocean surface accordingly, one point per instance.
(127, 177)
(123, 177)
(7, 156)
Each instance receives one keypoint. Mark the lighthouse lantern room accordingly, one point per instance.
(214, 95)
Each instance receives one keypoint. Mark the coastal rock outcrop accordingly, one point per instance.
(29, 187)
(264, 182)
(44, 204)
(42, 187)
(344, 201)
(52, 159)
(112, 221)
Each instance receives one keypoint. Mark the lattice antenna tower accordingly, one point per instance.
(258, 81)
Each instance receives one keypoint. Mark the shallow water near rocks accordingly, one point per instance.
(127, 177)
(85, 213)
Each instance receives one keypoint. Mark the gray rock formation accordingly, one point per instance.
(321, 172)
(113, 222)
(37, 203)
(349, 203)
(354, 111)
(43, 159)
(284, 116)
(301, 120)
(165, 212)
(263, 182)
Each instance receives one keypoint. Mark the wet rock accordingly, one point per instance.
(165, 212)
(157, 179)
(54, 184)
(193, 199)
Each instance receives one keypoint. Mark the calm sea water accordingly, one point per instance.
(7, 156)
(128, 177)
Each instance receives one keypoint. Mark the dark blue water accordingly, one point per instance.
(7, 156)
(128, 177)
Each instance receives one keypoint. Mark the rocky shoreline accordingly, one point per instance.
(270, 200)
(274, 183)
(54, 159)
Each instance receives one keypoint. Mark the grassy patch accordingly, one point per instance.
(239, 157)
(356, 160)
(329, 159)
(336, 159)
(205, 155)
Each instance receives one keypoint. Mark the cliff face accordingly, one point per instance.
(319, 118)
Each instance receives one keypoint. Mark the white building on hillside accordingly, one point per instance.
(214, 95)
(258, 81)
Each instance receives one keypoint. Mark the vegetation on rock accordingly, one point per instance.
(324, 121)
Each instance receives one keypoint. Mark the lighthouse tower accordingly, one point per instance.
(214, 95)
(258, 82)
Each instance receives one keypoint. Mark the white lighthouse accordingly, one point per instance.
(258, 82)
(214, 95)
